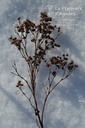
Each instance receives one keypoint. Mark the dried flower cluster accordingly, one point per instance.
(42, 41)
(62, 63)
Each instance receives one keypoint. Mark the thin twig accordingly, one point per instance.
(27, 97)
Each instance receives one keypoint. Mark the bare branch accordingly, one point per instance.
(29, 99)
(17, 73)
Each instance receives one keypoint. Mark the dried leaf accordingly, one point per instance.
(54, 73)
(19, 84)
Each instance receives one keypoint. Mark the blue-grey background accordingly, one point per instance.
(66, 107)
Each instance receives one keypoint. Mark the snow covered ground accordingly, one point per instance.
(67, 105)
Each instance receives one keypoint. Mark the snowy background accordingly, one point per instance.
(67, 106)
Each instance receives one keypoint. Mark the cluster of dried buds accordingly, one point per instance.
(61, 63)
(41, 37)
(45, 41)
(26, 26)
(15, 41)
